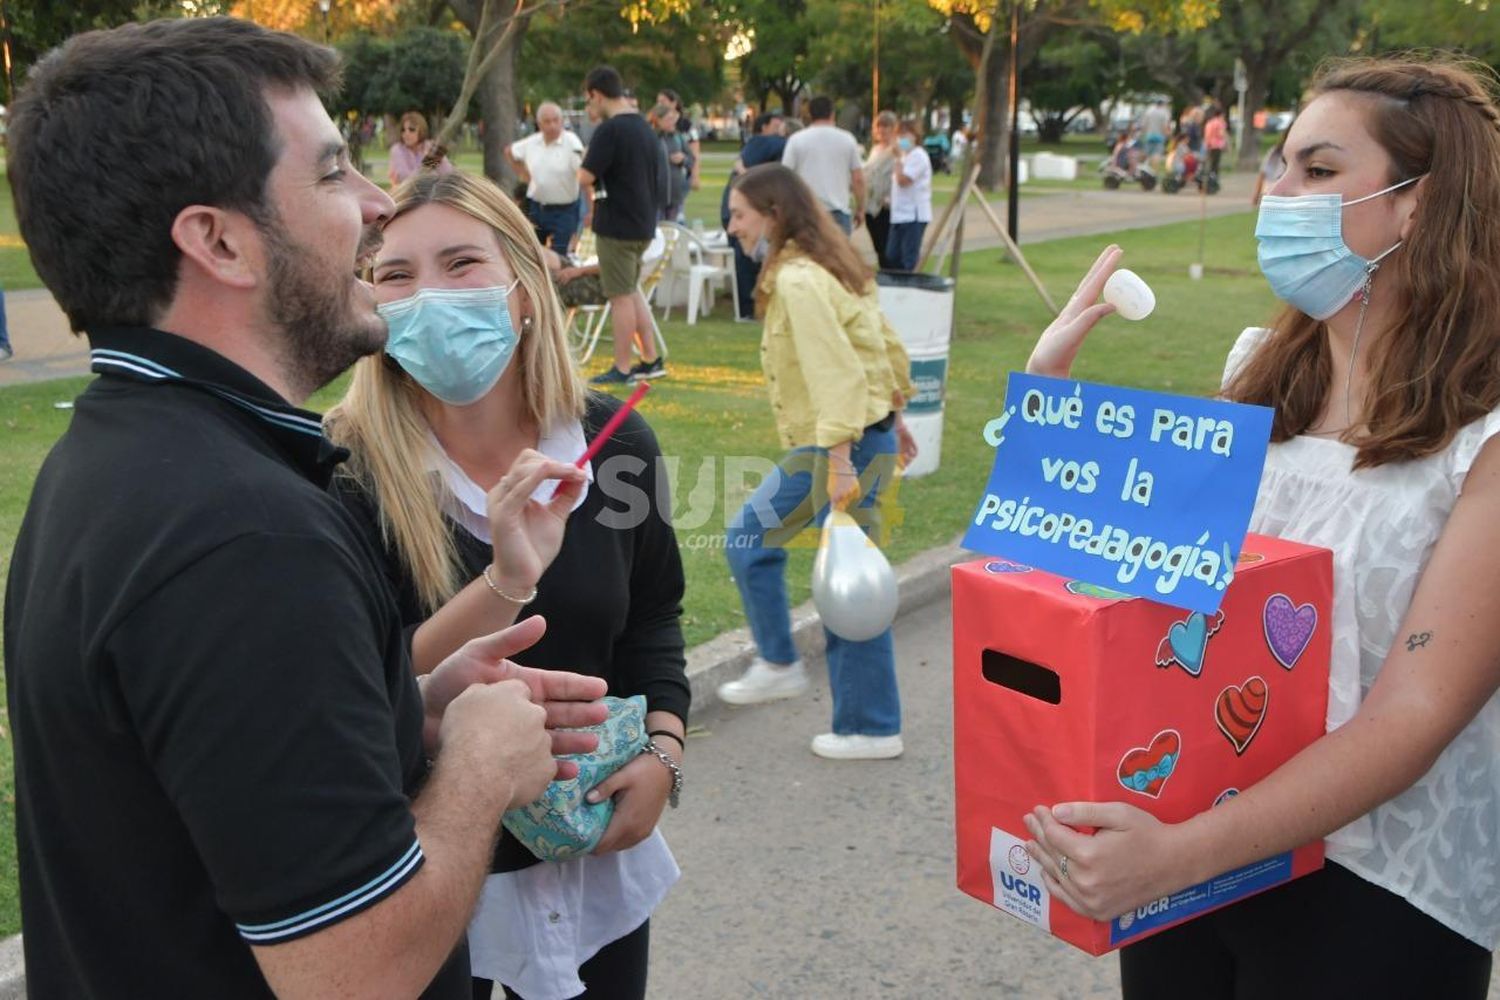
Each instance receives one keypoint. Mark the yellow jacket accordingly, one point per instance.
(832, 362)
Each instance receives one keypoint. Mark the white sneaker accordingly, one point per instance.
(856, 747)
(765, 682)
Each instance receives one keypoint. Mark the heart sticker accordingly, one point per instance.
(1289, 629)
(1186, 642)
(1146, 769)
(1240, 709)
(1094, 590)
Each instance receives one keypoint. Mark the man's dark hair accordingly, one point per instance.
(765, 118)
(820, 108)
(117, 131)
(606, 80)
(672, 98)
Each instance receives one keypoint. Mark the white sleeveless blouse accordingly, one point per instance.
(1437, 844)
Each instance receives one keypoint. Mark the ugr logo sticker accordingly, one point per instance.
(1019, 889)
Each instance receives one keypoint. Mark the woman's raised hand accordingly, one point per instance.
(1059, 343)
(526, 534)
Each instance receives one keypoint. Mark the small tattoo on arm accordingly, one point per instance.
(1417, 639)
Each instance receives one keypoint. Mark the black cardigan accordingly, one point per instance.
(612, 597)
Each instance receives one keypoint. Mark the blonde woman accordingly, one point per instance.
(459, 435)
(410, 147)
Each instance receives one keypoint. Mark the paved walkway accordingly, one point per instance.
(812, 879)
(46, 349)
(44, 346)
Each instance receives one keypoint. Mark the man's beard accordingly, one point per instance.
(322, 333)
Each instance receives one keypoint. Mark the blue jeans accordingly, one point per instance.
(844, 219)
(861, 674)
(904, 246)
(4, 331)
(746, 273)
(559, 222)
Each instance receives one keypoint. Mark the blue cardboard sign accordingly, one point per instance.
(1143, 492)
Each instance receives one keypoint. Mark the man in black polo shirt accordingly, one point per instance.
(624, 175)
(223, 785)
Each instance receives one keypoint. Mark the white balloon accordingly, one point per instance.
(1131, 297)
(853, 584)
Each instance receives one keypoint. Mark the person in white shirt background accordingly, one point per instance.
(827, 158)
(548, 161)
(911, 199)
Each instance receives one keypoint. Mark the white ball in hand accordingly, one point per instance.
(1131, 297)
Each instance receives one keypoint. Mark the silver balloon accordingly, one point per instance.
(853, 585)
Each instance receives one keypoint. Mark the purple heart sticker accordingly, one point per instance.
(1289, 628)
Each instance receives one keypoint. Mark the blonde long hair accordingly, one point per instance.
(380, 421)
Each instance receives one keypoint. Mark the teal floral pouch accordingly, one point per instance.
(561, 825)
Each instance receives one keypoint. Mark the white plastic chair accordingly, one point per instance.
(690, 263)
(587, 323)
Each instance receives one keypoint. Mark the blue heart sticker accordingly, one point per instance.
(1189, 641)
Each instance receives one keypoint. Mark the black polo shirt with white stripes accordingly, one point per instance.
(215, 724)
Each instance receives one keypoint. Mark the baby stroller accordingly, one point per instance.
(1187, 166)
(937, 146)
(1127, 165)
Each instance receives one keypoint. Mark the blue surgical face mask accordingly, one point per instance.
(1303, 254)
(761, 250)
(456, 342)
(904, 142)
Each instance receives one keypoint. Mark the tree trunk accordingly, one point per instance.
(1052, 128)
(499, 103)
(787, 91)
(496, 89)
(994, 147)
(1257, 86)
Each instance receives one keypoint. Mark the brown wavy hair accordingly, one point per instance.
(1438, 368)
(796, 217)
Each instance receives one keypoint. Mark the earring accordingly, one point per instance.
(526, 322)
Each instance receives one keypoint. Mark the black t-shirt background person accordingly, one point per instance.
(624, 173)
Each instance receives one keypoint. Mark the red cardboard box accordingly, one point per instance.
(1064, 691)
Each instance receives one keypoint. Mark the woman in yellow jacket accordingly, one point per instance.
(838, 378)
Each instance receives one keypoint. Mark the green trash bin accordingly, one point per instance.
(920, 309)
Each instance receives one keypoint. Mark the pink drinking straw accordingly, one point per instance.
(612, 425)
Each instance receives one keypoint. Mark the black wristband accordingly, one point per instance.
(667, 732)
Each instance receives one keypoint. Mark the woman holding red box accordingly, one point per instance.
(1383, 238)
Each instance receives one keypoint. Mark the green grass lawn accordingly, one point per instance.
(713, 406)
(16, 271)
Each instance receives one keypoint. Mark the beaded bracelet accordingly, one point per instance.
(524, 599)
